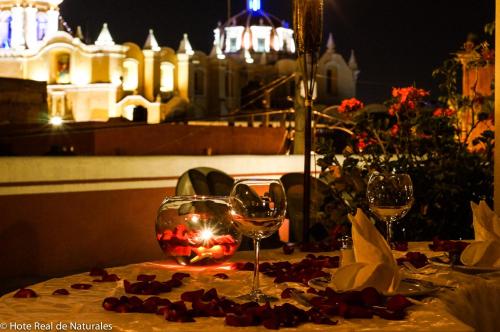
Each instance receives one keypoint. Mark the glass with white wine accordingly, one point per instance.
(390, 197)
(258, 207)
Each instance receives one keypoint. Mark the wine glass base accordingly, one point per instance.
(257, 296)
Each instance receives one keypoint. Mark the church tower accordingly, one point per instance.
(24, 24)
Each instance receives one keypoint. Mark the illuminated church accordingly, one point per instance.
(103, 80)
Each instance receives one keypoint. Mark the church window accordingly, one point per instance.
(199, 83)
(232, 45)
(167, 77)
(332, 81)
(41, 25)
(5, 31)
(261, 45)
(63, 67)
(130, 74)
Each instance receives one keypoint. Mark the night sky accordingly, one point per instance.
(397, 42)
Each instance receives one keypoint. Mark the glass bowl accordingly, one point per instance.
(197, 230)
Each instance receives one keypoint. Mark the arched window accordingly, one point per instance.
(261, 45)
(130, 74)
(332, 81)
(167, 77)
(63, 68)
(199, 82)
(41, 25)
(5, 29)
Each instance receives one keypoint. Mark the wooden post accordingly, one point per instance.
(497, 111)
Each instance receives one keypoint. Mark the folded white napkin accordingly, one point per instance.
(375, 265)
(485, 250)
(486, 222)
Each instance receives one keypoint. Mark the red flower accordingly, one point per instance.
(406, 98)
(443, 112)
(394, 109)
(364, 141)
(350, 105)
(395, 130)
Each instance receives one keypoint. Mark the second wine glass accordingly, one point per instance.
(258, 207)
(390, 197)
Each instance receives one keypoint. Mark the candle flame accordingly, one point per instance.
(206, 234)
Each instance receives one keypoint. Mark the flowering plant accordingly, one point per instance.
(409, 135)
(350, 105)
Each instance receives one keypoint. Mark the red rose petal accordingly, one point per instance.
(287, 293)
(371, 297)
(180, 275)
(110, 303)
(400, 246)
(81, 286)
(173, 283)
(398, 303)
(25, 293)
(60, 291)
(146, 277)
(211, 294)
(317, 317)
(192, 296)
(288, 249)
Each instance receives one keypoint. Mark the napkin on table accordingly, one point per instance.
(375, 265)
(485, 250)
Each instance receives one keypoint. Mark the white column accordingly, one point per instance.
(52, 22)
(497, 112)
(149, 75)
(17, 26)
(183, 75)
(30, 33)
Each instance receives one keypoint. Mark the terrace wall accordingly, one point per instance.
(61, 215)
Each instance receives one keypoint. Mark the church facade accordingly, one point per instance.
(251, 66)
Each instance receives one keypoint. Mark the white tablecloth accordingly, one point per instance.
(85, 306)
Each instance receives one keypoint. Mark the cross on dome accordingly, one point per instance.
(253, 5)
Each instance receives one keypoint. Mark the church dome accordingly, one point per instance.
(254, 30)
(247, 18)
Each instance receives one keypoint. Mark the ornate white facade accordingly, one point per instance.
(103, 80)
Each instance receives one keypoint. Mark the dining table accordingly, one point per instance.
(82, 309)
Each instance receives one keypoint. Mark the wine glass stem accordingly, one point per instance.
(255, 283)
(388, 235)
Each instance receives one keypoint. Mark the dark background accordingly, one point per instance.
(397, 42)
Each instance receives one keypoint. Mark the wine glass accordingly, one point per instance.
(258, 208)
(390, 197)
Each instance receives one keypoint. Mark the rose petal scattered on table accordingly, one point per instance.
(400, 245)
(416, 259)
(287, 293)
(288, 248)
(180, 275)
(398, 303)
(60, 291)
(146, 277)
(192, 296)
(25, 293)
(81, 286)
